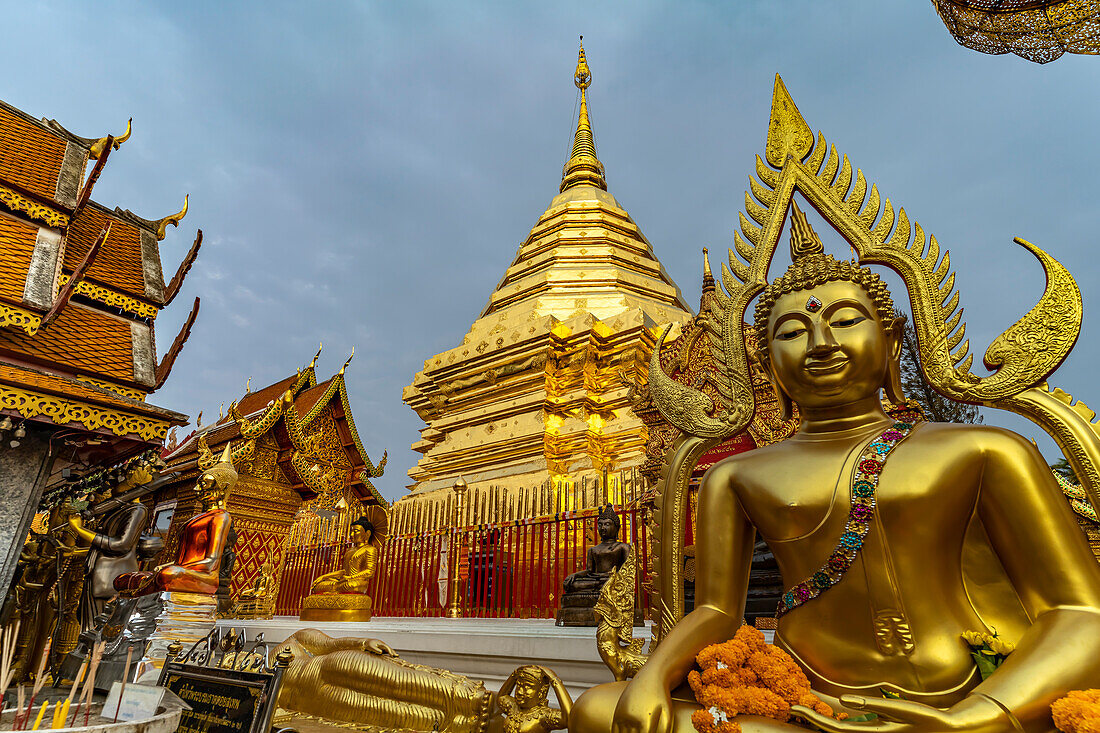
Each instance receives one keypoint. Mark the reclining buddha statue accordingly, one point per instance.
(894, 536)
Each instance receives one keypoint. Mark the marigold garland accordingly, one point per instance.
(1077, 712)
(747, 676)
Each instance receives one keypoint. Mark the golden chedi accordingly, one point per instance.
(536, 387)
(894, 537)
(342, 595)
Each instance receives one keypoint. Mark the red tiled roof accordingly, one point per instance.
(16, 247)
(119, 262)
(30, 156)
(254, 401)
(308, 398)
(81, 339)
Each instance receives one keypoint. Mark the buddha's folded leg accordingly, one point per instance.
(593, 712)
(179, 578)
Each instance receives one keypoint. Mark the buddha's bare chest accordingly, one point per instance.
(807, 495)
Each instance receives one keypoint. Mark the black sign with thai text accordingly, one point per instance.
(219, 703)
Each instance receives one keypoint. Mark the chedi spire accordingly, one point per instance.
(583, 167)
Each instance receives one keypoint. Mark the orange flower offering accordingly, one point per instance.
(1077, 712)
(747, 676)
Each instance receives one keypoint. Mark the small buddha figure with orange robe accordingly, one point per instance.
(201, 543)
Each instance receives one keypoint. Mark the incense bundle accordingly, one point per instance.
(39, 681)
(7, 653)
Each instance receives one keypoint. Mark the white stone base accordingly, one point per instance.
(482, 649)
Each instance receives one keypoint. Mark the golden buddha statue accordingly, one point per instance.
(342, 595)
(258, 601)
(201, 542)
(894, 536)
(363, 681)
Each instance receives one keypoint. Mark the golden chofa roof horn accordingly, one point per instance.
(174, 220)
(100, 146)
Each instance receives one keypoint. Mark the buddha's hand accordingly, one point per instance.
(974, 715)
(379, 647)
(643, 708)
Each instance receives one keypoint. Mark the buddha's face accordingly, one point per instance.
(828, 346)
(359, 535)
(208, 489)
(606, 528)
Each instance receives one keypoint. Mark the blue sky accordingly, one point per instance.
(364, 172)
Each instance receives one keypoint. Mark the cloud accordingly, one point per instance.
(364, 172)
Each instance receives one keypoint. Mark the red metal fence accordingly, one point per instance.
(506, 570)
(508, 567)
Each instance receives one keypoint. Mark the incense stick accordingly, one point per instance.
(61, 712)
(85, 700)
(125, 676)
(39, 681)
(7, 653)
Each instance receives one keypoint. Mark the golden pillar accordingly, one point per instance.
(454, 608)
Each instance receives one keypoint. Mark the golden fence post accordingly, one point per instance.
(454, 608)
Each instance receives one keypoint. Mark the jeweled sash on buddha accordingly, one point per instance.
(864, 483)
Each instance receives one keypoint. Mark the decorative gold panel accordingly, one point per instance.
(112, 298)
(34, 210)
(63, 412)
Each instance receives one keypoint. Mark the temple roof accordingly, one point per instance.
(319, 449)
(80, 284)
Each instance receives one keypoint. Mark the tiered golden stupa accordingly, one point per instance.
(539, 386)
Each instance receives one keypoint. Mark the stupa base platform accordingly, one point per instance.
(481, 649)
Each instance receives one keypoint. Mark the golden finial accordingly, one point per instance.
(320, 346)
(348, 361)
(221, 410)
(100, 146)
(174, 220)
(708, 277)
(583, 77)
(198, 421)
(788, 133)
(804, 240)
(583, 167)
(248, 386)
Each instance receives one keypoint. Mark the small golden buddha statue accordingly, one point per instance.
(342, 595)
(524, 699)
(871, 520)
(258, 601)
(201, 542)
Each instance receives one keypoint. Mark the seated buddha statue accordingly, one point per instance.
(201, 542)
(869, 519)
(342, 595)
(581, 589)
